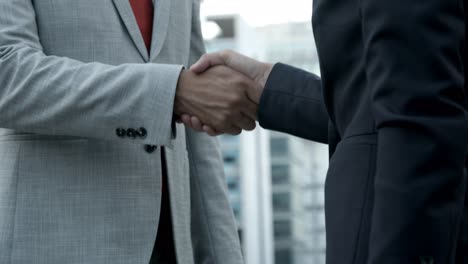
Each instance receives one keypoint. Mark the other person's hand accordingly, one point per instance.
(257, 71)
(219, 98)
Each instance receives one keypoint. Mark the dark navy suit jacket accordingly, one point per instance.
(391, 104)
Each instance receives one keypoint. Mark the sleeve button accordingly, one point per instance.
(141, 132)
(120, 132)
(131, 133)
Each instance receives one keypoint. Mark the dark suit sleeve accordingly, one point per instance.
(414, 66)
(292, 103)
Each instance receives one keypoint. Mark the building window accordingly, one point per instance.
(232, 185)
(281, 202)
(227, 26)
(231, 156)
(283, 256)
(280, 174)
(279, 147)
(282, 229)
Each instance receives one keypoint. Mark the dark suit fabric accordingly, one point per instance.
(391, 104)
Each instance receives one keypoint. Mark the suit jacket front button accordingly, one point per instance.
(131, 133)
(120, 132)
(141, 132)
(150, 149)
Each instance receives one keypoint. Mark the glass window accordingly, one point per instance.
(282, 229)
(281, 202)
(279, 147)
(232, 185)
(227, 26)
(283, 256)
(231, 157)
(280, 174)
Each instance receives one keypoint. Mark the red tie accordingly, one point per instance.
(144, 12)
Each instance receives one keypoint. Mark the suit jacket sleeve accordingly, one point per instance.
(414, 68)
(60, 96)
(292, 103)
(214, 231)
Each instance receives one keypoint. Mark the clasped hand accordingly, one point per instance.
(220, 93)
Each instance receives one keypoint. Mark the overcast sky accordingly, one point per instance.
(261, 12)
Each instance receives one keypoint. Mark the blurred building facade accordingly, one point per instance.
(297, 176)
(275, 181)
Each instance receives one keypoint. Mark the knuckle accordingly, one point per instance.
(223, 119)
(244, 83)
(233, 102)
(237, 98)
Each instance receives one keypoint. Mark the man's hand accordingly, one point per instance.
(219, 98)
(255, 70)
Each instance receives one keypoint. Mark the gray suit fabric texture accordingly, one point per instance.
(71, 190)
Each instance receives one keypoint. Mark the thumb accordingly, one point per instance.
(207, 61)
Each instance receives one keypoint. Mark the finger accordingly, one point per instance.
(196, 124)
(186, 120)
(210, 131)
(245, 123)
(207, 61)
(234, 131)
(250, 110)
(187, 124)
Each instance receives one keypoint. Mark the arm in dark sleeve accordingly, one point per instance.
(414, 66)
(292, 103)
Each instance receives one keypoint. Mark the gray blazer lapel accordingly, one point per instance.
(162, 10)
(126, 13)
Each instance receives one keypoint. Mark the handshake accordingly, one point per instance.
(220, 93)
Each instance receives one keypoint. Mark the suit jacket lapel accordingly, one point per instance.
(162, 13)
(126, 13)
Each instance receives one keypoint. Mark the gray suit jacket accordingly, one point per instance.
(71, 190)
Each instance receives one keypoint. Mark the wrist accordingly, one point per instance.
(180, 91)
(266, 71)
